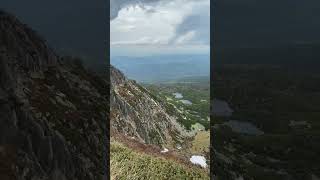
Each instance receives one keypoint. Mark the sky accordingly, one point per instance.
(266, 23)
(81, 25)
(149, 27)
(77, 27)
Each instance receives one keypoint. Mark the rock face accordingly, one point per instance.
(53, 112)
(136, 113)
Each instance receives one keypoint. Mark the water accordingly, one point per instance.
(243, 127)
(221, 108)
(178, 95)
(187, 102)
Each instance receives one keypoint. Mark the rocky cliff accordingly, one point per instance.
(136, 113)
(53, 112)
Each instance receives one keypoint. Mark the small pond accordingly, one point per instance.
(177, 95)
(187, 102)
(221, 108)
(243, 127)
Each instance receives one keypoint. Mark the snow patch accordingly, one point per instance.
(165, 150)
(199, 160)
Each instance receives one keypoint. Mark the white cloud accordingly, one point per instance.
(156, 22)
(196, 22)
(117, 5)
(185, 37)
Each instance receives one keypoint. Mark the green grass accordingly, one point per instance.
(201, 142)
(129, 164)
(197, 93)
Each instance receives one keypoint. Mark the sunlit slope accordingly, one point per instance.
(127, 163)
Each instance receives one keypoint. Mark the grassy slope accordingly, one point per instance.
(201, 142)
(130, 164)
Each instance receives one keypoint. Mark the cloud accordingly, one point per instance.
(117, 5)
(197, 23)
(171, 23)
(143, 25)
(185, 37)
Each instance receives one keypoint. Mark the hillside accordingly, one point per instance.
(137, 113)
(54, 115)
(132, 164)
(270, 128)
(147, 140)
(186, 99)
(53, 112)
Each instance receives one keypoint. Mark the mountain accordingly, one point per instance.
(54, 115)
(159, 68)
(137, 113)
(146, 142)
(53, 112)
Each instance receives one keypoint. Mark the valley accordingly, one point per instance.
(164, 68)
(188, 101)
(272, 131)
(167, 119)
(189, 104)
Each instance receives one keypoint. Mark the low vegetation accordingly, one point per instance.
(127, 163)
(201, 142)
(272, 98)
(198, 93)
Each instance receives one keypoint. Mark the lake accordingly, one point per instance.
(187, 102)
(221, 108)
(243, 127)
(177, 95)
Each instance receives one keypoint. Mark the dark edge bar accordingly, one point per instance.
(212, 35)
(107, 58)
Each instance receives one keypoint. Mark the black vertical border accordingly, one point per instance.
(106, 157)
(212, 45)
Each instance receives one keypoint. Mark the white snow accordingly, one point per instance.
(200, 160)
(164, 150)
